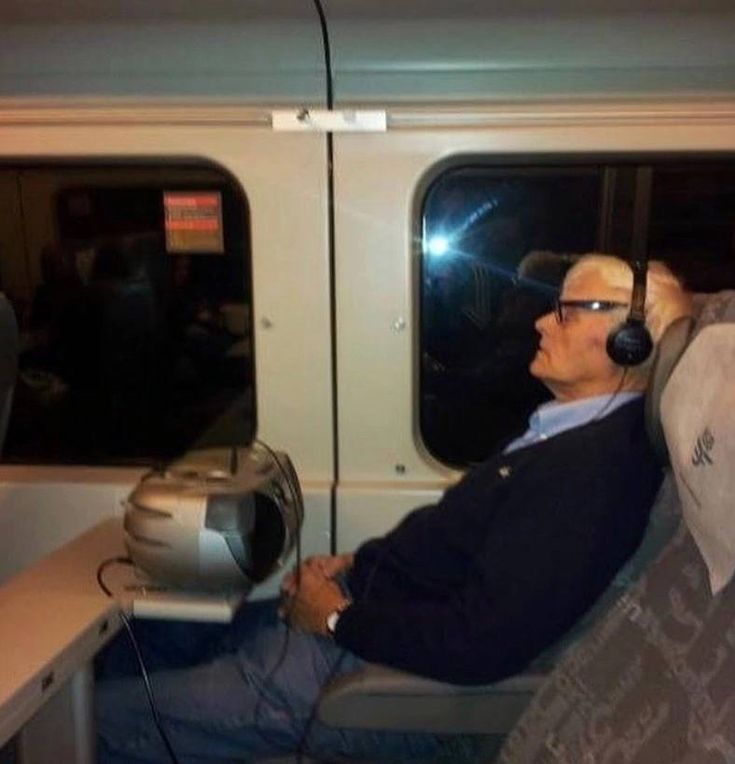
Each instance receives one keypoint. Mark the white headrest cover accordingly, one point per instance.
(698, 417)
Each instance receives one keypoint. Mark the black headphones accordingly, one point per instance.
(630, 343)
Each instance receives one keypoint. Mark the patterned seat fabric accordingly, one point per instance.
(652, 682)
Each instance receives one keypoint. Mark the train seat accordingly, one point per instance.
(381, 698)
(652, 681)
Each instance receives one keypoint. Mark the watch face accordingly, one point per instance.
(332, 619)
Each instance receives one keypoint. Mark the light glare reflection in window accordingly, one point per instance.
(438, 246)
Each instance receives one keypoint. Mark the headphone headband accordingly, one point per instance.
(630, 343)
(638, 297)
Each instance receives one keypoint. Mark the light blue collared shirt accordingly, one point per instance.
(553, 418)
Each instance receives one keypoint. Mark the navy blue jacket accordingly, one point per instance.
(471, 589)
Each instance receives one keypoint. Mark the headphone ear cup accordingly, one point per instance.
(629, 344)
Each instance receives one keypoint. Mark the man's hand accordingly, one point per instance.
(308, 606)
(326, 565)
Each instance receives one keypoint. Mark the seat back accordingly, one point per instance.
(652, 681)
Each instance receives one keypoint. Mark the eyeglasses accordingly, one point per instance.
(595, 306)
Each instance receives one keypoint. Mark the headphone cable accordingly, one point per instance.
(297, 500)
(139, 656)
(610, 399)
(300, 749)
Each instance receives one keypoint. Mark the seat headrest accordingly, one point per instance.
(669, 350)
(698, 419)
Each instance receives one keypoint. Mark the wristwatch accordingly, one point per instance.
(333, 617)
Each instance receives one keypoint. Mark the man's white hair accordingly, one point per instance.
(666, 299)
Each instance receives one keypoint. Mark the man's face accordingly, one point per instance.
(571, 359)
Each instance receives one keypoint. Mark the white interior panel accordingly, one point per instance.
(369, 510)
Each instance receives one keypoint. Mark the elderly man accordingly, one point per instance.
(468, 590)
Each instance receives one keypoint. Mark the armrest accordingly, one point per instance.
(377, 697)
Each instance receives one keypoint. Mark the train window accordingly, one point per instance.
(134, 314)
(495, 244)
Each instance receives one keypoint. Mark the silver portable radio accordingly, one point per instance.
(215, 520)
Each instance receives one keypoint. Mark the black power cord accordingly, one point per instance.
(301, 747)
(612, 397)
(329, 77)
(296, 497)
(333, 329)
(136, 648)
